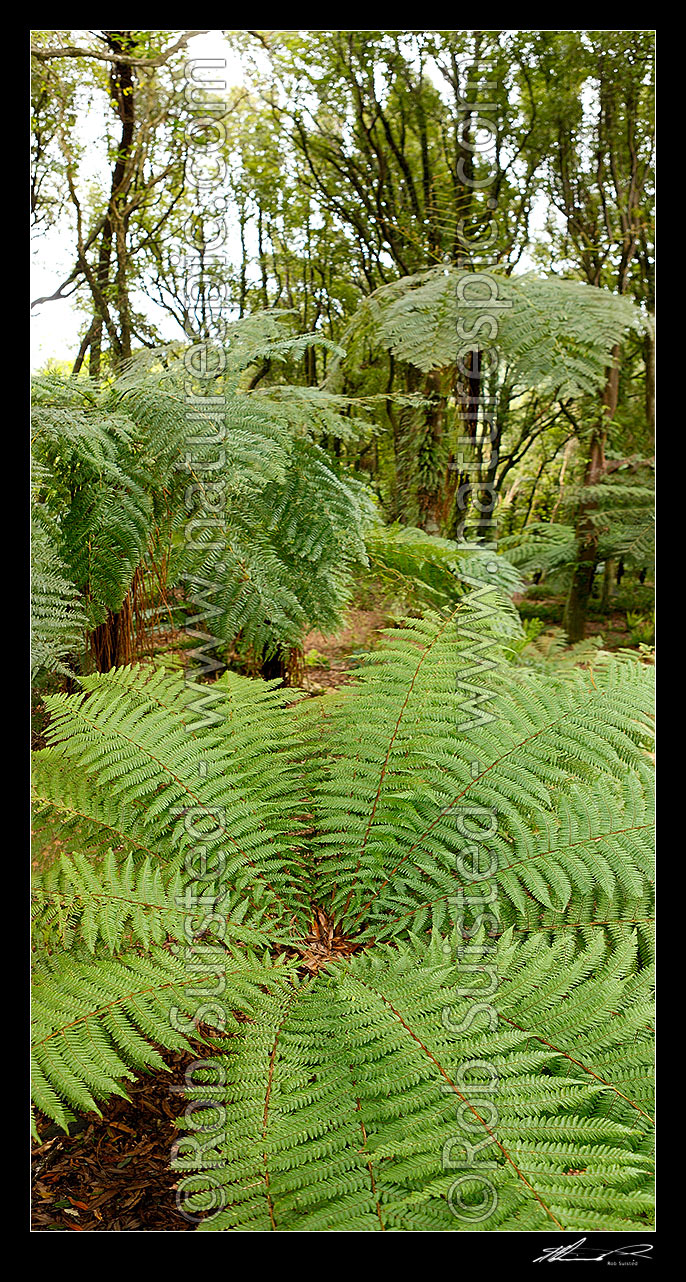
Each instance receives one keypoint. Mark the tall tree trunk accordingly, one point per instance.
(468, 479)
(649, 352)
(112, 643)
(606, 594)
(115, 226)
(406, 423)
(430, 461)
(576, 607)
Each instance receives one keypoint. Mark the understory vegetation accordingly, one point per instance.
(343, 622)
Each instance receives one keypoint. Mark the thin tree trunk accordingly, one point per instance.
(569, 450)
(649, 352)
(606, 594)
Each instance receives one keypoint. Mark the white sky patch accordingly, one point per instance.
(55, 327)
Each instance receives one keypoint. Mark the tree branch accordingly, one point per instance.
(70, 51)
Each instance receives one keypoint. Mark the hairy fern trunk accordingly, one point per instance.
(118, 640)
(112, 643)
(286, 665)
(576, 606)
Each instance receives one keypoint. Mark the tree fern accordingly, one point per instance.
(115, 466)
(93, 485)
(128, 467)
(622, 508)
(126, 470)
(348, 933)
(551, 333)
(622, 512)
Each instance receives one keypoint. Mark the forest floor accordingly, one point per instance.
(113, 1174)
(330, 661)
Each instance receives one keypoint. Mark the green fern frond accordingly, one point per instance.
(347, 1107)
(58, 618)
(406, 774)
(96, 1021)
(132, 736)
(132, 900)
(439, 571)
(551, 333)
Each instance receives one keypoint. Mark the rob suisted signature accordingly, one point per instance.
(577, 1251)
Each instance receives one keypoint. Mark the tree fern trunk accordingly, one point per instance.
(430, 492)
(117, 639)
(649, 351)
(112, 643)
(468, 480)
(576, 607)
(286, 665)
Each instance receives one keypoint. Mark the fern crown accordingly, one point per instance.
(316, 883)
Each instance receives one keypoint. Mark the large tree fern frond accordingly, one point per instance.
(438, 571)
(552, 333)
(428, 757)
(96, 1021)
(133, 734)
(354, 1100)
